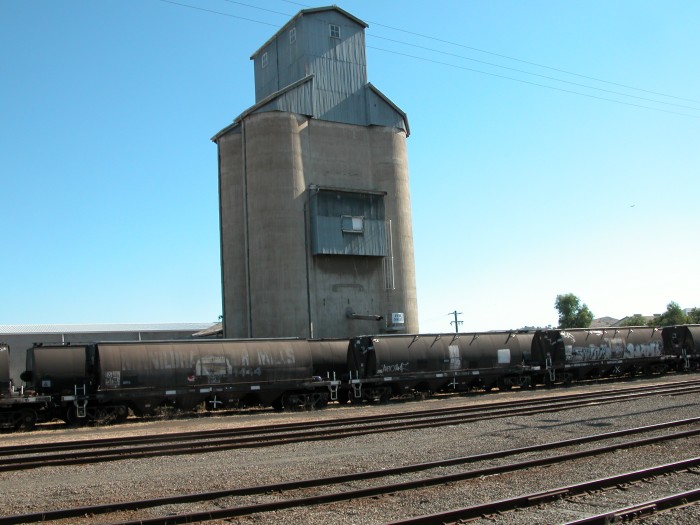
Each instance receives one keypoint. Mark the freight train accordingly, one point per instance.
(18, 409)
(106, 381)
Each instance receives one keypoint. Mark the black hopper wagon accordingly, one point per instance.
(20, 408)
(683, 343)
(105, 381)
(582, 353)
(386, 366)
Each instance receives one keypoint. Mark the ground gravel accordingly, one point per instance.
(60, 487)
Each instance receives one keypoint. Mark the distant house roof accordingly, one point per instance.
(604, 322)
(18, 329)
(215, 329)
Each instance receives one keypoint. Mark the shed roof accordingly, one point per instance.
(393, 106)
(255, 107)
(308, 78)
(19, 329)
(306, 12)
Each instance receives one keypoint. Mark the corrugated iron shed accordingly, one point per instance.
(15, 329)
(320, 76)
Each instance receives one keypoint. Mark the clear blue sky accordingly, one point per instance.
(555, 148)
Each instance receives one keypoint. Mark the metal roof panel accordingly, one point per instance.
(16, 329)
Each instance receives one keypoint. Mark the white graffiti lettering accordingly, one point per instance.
(392, 369)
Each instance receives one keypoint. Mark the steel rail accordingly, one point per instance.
(683, 387)
(682, 499)
(670, 389)
(345, 478)
(368, 492)
(475, 511)
(197, 446)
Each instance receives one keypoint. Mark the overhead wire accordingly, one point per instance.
(471, 48)
(447, 64)
(531, 73)
(219, 13)
(535, 83)
(536, 64)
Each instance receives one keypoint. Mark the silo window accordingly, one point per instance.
(292, 35)
(347, 222)
(264, 60)
(350, 224)
(334, 30)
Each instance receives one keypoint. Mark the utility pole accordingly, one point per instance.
(456, 322)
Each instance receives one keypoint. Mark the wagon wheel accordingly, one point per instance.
(71, 417)
(278, 404)
(26, 419)
(343, 397)
(384, 396)
(121, 412)
(321, 401)
(504, 384)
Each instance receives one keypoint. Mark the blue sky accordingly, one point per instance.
(554, 148)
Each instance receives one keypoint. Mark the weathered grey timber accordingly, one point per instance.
(316, 237)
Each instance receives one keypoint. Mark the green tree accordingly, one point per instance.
(634, 320)
(694, 316)
(572, 314)
(672, 316)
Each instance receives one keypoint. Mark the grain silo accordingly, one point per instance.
(315, 211)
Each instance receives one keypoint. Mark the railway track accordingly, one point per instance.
(312, 492)
(13, 458)
(674, 501)
(579, 491)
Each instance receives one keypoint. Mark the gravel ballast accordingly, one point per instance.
(61, 487)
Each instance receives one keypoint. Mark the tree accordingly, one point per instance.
(672, 316)
(572, 314)
(694, 316)
(634, 320)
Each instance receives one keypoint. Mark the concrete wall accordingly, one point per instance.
(272, 285)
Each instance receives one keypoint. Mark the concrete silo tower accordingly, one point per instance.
(315, 209)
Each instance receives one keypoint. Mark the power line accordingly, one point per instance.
(533, 74)
(532, 63)
(259, 8)
(219, 13)
(476, 60)
(507, 57)
(533, 83)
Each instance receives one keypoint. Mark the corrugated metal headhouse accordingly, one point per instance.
(316, 236)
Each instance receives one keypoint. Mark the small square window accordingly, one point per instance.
(334, 30)
(350, 224)
(292, 35)
(264, 59)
